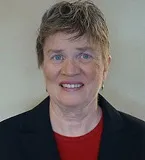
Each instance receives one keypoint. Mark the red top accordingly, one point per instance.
(84, 147)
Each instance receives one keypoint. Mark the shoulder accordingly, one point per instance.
(133, 130)
(28, 118)
(10, 130)
(13, 123)
(132, 122)
(115, 119)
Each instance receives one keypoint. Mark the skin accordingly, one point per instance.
(73, 112)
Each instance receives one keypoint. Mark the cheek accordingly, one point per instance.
(94, 76)
(51, 72)
(48, 72)
(95, 72)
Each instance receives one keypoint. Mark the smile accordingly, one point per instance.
(71, 86)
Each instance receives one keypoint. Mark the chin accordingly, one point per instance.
(71, 101)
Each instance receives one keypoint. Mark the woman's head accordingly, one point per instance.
(73, 52)
(78, 18)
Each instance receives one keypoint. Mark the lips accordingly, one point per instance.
(71, 85)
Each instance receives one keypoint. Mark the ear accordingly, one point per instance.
(106, 67)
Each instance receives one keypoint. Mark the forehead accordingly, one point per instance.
(63, 41)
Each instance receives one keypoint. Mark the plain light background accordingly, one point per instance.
(21, 82)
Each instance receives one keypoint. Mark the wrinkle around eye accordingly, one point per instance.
(58, 58)
(85, 54)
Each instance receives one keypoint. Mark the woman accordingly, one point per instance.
(74, 122)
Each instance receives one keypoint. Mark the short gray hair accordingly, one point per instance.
(79, 17)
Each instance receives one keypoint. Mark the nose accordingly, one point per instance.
(70, 68)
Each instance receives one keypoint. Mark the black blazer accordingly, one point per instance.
(29, 136)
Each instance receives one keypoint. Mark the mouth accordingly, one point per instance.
(70, 86)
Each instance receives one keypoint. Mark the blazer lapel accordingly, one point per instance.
(36, 135)
(109, 148)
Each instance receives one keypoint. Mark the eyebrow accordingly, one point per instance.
(82, 49)
(85, 49)
(55, 50)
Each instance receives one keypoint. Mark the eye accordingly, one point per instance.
(57, 58)
(84, 57)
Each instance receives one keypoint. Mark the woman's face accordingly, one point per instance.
(73, 70)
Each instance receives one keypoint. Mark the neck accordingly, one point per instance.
(73, 121)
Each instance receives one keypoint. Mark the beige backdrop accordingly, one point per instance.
(21, 82)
